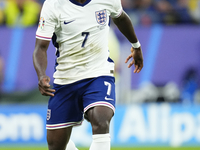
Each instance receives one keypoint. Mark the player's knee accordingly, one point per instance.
(101, 127)
(55, 145)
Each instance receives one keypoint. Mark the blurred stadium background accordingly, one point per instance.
(156, 109)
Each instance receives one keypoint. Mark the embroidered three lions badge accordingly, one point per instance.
(101, 17)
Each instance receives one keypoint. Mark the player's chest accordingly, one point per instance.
(73, 20)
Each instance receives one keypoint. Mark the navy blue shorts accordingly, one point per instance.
(71, 101)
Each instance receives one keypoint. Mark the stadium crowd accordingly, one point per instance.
(142, 12)
(147, 12)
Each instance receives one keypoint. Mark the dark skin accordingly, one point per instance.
(81, 1)
(98, 116)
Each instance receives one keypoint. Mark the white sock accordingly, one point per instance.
(71, 146)
(100, 142)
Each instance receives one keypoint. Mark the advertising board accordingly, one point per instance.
(134, 125)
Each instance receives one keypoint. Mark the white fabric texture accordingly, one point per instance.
(100, 142)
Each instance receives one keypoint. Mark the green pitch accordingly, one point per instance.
(121, 148)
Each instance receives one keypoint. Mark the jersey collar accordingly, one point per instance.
(79, 4)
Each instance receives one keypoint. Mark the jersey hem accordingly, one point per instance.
(64, 81)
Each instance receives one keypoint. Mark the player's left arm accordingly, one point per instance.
(124, 24)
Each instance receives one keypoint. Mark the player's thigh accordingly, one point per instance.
(100, 117)
(58, 138)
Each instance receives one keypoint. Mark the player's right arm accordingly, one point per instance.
(43, 37)
(40, 64)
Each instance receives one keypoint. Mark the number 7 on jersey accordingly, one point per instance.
(86, 36)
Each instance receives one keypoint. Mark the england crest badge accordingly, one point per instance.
(48, 114)
(101, 17)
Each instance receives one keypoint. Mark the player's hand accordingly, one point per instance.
(44, 86)
(137, 56)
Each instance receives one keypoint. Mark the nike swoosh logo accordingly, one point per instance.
(109, 99)
(68, 22)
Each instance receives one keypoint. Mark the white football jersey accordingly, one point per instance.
(81, 36)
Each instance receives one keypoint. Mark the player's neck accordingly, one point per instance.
(81, 1)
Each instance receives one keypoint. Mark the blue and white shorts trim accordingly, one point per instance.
(100, 103)
(63, 125)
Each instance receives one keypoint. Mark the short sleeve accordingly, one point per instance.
(47, 22)
(117, 9)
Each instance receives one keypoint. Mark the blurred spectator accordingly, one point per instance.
(147, 12)
(41, 1)
(183, 12)
(166, 13)
(194, 8)
(2, 5)
(189, 86)
(23, 13)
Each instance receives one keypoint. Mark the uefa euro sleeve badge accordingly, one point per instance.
(41, 23)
